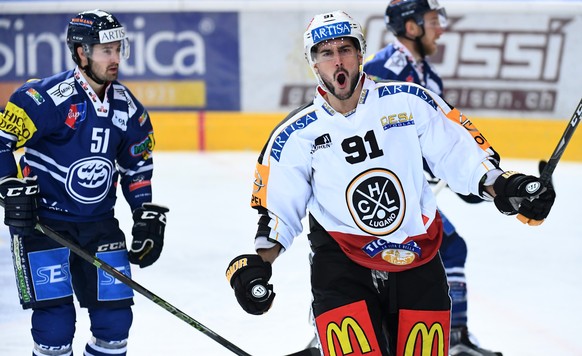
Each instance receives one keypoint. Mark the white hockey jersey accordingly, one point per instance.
(362, 177)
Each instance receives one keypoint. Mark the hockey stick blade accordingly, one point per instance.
(546, 174)
(136, 287)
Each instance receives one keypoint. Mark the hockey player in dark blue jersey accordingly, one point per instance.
(82, 131)
(417, 25)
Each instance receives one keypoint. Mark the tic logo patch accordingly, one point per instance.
(395, 253)
(376, 201)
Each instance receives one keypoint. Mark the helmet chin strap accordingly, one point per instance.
(417, 40)
(89, 73)
(421, 50)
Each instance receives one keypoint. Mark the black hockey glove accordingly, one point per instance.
(518, 193)
(249, 276)
(21, 201)
(149, 224)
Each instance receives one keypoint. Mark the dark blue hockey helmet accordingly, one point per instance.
(400, 11)
(93, 27)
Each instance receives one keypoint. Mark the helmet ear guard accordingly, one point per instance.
(327, 26)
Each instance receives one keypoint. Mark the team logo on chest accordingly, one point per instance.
(376, 201)
(89, 179)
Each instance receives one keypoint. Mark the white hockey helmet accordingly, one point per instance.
(328, 26)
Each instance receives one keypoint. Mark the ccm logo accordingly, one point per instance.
(14, 192)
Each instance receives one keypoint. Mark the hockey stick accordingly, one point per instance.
(145, 292)
(136, 286)
(139, 288)
(546, 174)
(440, 185)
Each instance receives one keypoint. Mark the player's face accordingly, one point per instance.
(105, 60)
(434, 27)
(338, 64)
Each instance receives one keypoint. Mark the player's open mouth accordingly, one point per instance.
(341, 78)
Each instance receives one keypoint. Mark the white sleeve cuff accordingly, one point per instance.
(261, 242)
(490, 178)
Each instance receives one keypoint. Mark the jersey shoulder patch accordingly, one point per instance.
(62, 90)
(393, 88)
(296, 121)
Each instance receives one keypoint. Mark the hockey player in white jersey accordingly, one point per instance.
(82, 131)
(352, 159)
(417, 25)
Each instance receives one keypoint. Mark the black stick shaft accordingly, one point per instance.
(546, 174)
(139, 288)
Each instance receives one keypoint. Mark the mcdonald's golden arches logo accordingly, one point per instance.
(429, 337)
(342, 332)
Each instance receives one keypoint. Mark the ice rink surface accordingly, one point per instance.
(525, 284)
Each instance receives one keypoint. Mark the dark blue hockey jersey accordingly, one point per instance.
(395, 62)
(78, 146)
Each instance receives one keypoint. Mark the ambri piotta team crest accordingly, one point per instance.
(376, 201)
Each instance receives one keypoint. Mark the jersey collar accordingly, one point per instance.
(101, 108)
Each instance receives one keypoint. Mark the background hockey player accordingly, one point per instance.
(81, 131)
(352, 158)
(417, 25)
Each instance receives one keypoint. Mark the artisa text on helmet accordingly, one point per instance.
(331, 31)
(112, 35)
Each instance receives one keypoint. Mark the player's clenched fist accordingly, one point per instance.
(249, 276)
(519, 193)
(148, 234)
(21, 201)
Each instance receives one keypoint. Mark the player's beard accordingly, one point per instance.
(104, 74)
(99, 75)
(109, 77)
(352, 86)
(430, 48)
